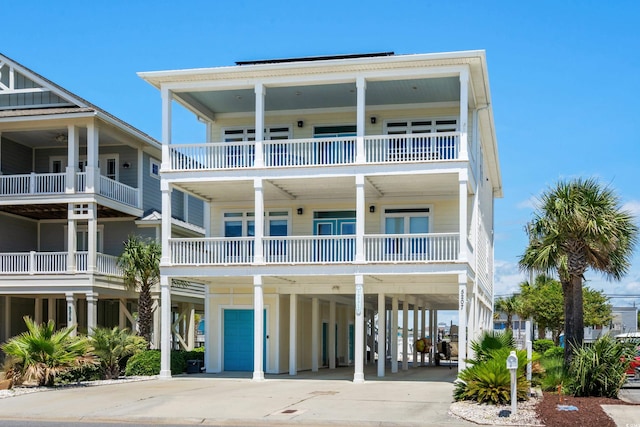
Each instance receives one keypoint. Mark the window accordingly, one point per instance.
(335, 152)
(421, 147)
(242, 155)
(400, 222)
(108, 164)
(154, 168)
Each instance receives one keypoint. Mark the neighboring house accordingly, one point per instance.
(75, 182)
(374, 178)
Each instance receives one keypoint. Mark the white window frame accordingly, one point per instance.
(154, 162)
(82, 160)
(248, 133)
(432, 128)
(85, 229)
(385, 215)
(246, 217)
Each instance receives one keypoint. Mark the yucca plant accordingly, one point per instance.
(113, 345)
(40, 353)
(599, 369)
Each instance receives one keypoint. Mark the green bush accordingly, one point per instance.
(114, 345)
(599, 369)
(89, 372)
(195, 354)
(553, 352)
(148, 363)
(541, 346)
(490, 341)
(554, 373)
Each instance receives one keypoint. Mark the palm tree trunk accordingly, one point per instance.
(578, 311)
(145, 318)
(567, 291)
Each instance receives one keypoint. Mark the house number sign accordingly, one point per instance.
(359, 299)
(461, 299)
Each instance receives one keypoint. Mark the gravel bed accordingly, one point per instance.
(20, 390)
(489, 414)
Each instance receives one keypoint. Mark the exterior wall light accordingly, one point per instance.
(373, 120)
(300, 211)
(300, 123)
(372, 208)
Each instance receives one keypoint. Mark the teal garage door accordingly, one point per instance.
(238, 340)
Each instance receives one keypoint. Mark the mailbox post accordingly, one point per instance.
(512, 366)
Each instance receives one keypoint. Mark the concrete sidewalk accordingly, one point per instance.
(417, 398)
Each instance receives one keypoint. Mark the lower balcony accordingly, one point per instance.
(55, 263)
(383, 248)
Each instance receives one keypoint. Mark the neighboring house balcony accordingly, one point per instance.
(33, 262)
(52, 184)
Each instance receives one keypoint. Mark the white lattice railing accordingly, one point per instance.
(412, 247)
(34, 183)
(413, 147)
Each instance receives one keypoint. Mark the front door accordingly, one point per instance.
(335, 223)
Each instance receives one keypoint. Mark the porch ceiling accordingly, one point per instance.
(443, 89)
(333, 188)
(54, 211)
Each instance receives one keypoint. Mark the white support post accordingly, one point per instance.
(361, 86)
(293, 334)
(71, 313)
(92, 170)
(259, 149)
(258, 249)
(7, 317)
(208, 333)
(462, 214)
(315, 332)
(141, 172)
(434, 327)
(423, 328)
(382, 340)
(360, 218)
(166, 223)
(92, 312)
(258, 328)
(206, 218)
(464, 114)
(71, 240)
(405, 334)
(358, 356)
(191, 327)
(37, 310)
(165, 327)
(462, 316)
(372, 336)
(92, 238)
(51, 309)
(167, 99)
(394, 334)
(416, 335)
(73, 144)
(331, 335)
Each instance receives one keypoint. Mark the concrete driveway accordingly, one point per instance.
(418, 397)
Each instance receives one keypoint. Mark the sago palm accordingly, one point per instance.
(41, 353)
(579, 225)
(113, 345)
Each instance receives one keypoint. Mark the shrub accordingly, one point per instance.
(113, 345)
(148, 363)
(490, 341)
(195, 354)
(599, 369)
(90, 372)
(553, 352)
(554, 372)
(541, 346)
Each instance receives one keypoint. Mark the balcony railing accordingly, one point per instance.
(384, 248)
(316, 151)
(54, 263)
(118, 191)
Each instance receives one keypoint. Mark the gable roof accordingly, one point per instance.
(23, 84)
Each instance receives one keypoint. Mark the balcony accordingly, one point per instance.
(312, 152)
(46, 184)
(383, 248)
(33, 263)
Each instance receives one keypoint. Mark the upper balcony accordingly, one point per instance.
(313, 152)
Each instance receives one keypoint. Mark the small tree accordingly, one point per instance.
(510, 306)
(113, 345)
(140, 261)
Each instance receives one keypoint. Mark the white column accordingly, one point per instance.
(358, 354)
(416, 335)
(434, 327)
(92, 238)
(206, 218)
(361, 86)
(423, 329)
(331, 335)
(315, 332)
(71, 313)
(464, 114)
(258, 249)
(73, 143)
(462, 317)
(51, 309)
(140, 180)
(92, 311)
(360, 218)
(259, 151)
(191, 327)
(165, 327)
(372, 336)
(293, 334)
(93, 173)
(258, 327)
(37, 310)
(382, 328)
(71, 240)
(462, 214)
(208, 334)
(405, 334)
(7, 317)
(166, 223)
(394, 334)
(167, 99)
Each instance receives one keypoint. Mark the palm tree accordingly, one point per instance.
(140, 261)
(113, 345)
(41, 353)
(579, 225)
(509, 306)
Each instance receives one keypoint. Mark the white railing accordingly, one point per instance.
(54, 263)
(15, 263)
(413, 147)
(310, 152)
(34, 183)
(81, 182)
(207, 251)
(118, 191)
(411, 247)
(227, 155)
(81, 261)
(309, 249)
(108, 264)
(49, 262)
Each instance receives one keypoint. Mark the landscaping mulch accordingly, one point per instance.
(589, 412)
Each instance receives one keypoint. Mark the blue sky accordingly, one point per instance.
(563, 75)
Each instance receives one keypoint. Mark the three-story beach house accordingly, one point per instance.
(75, 182)
(344, 194)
